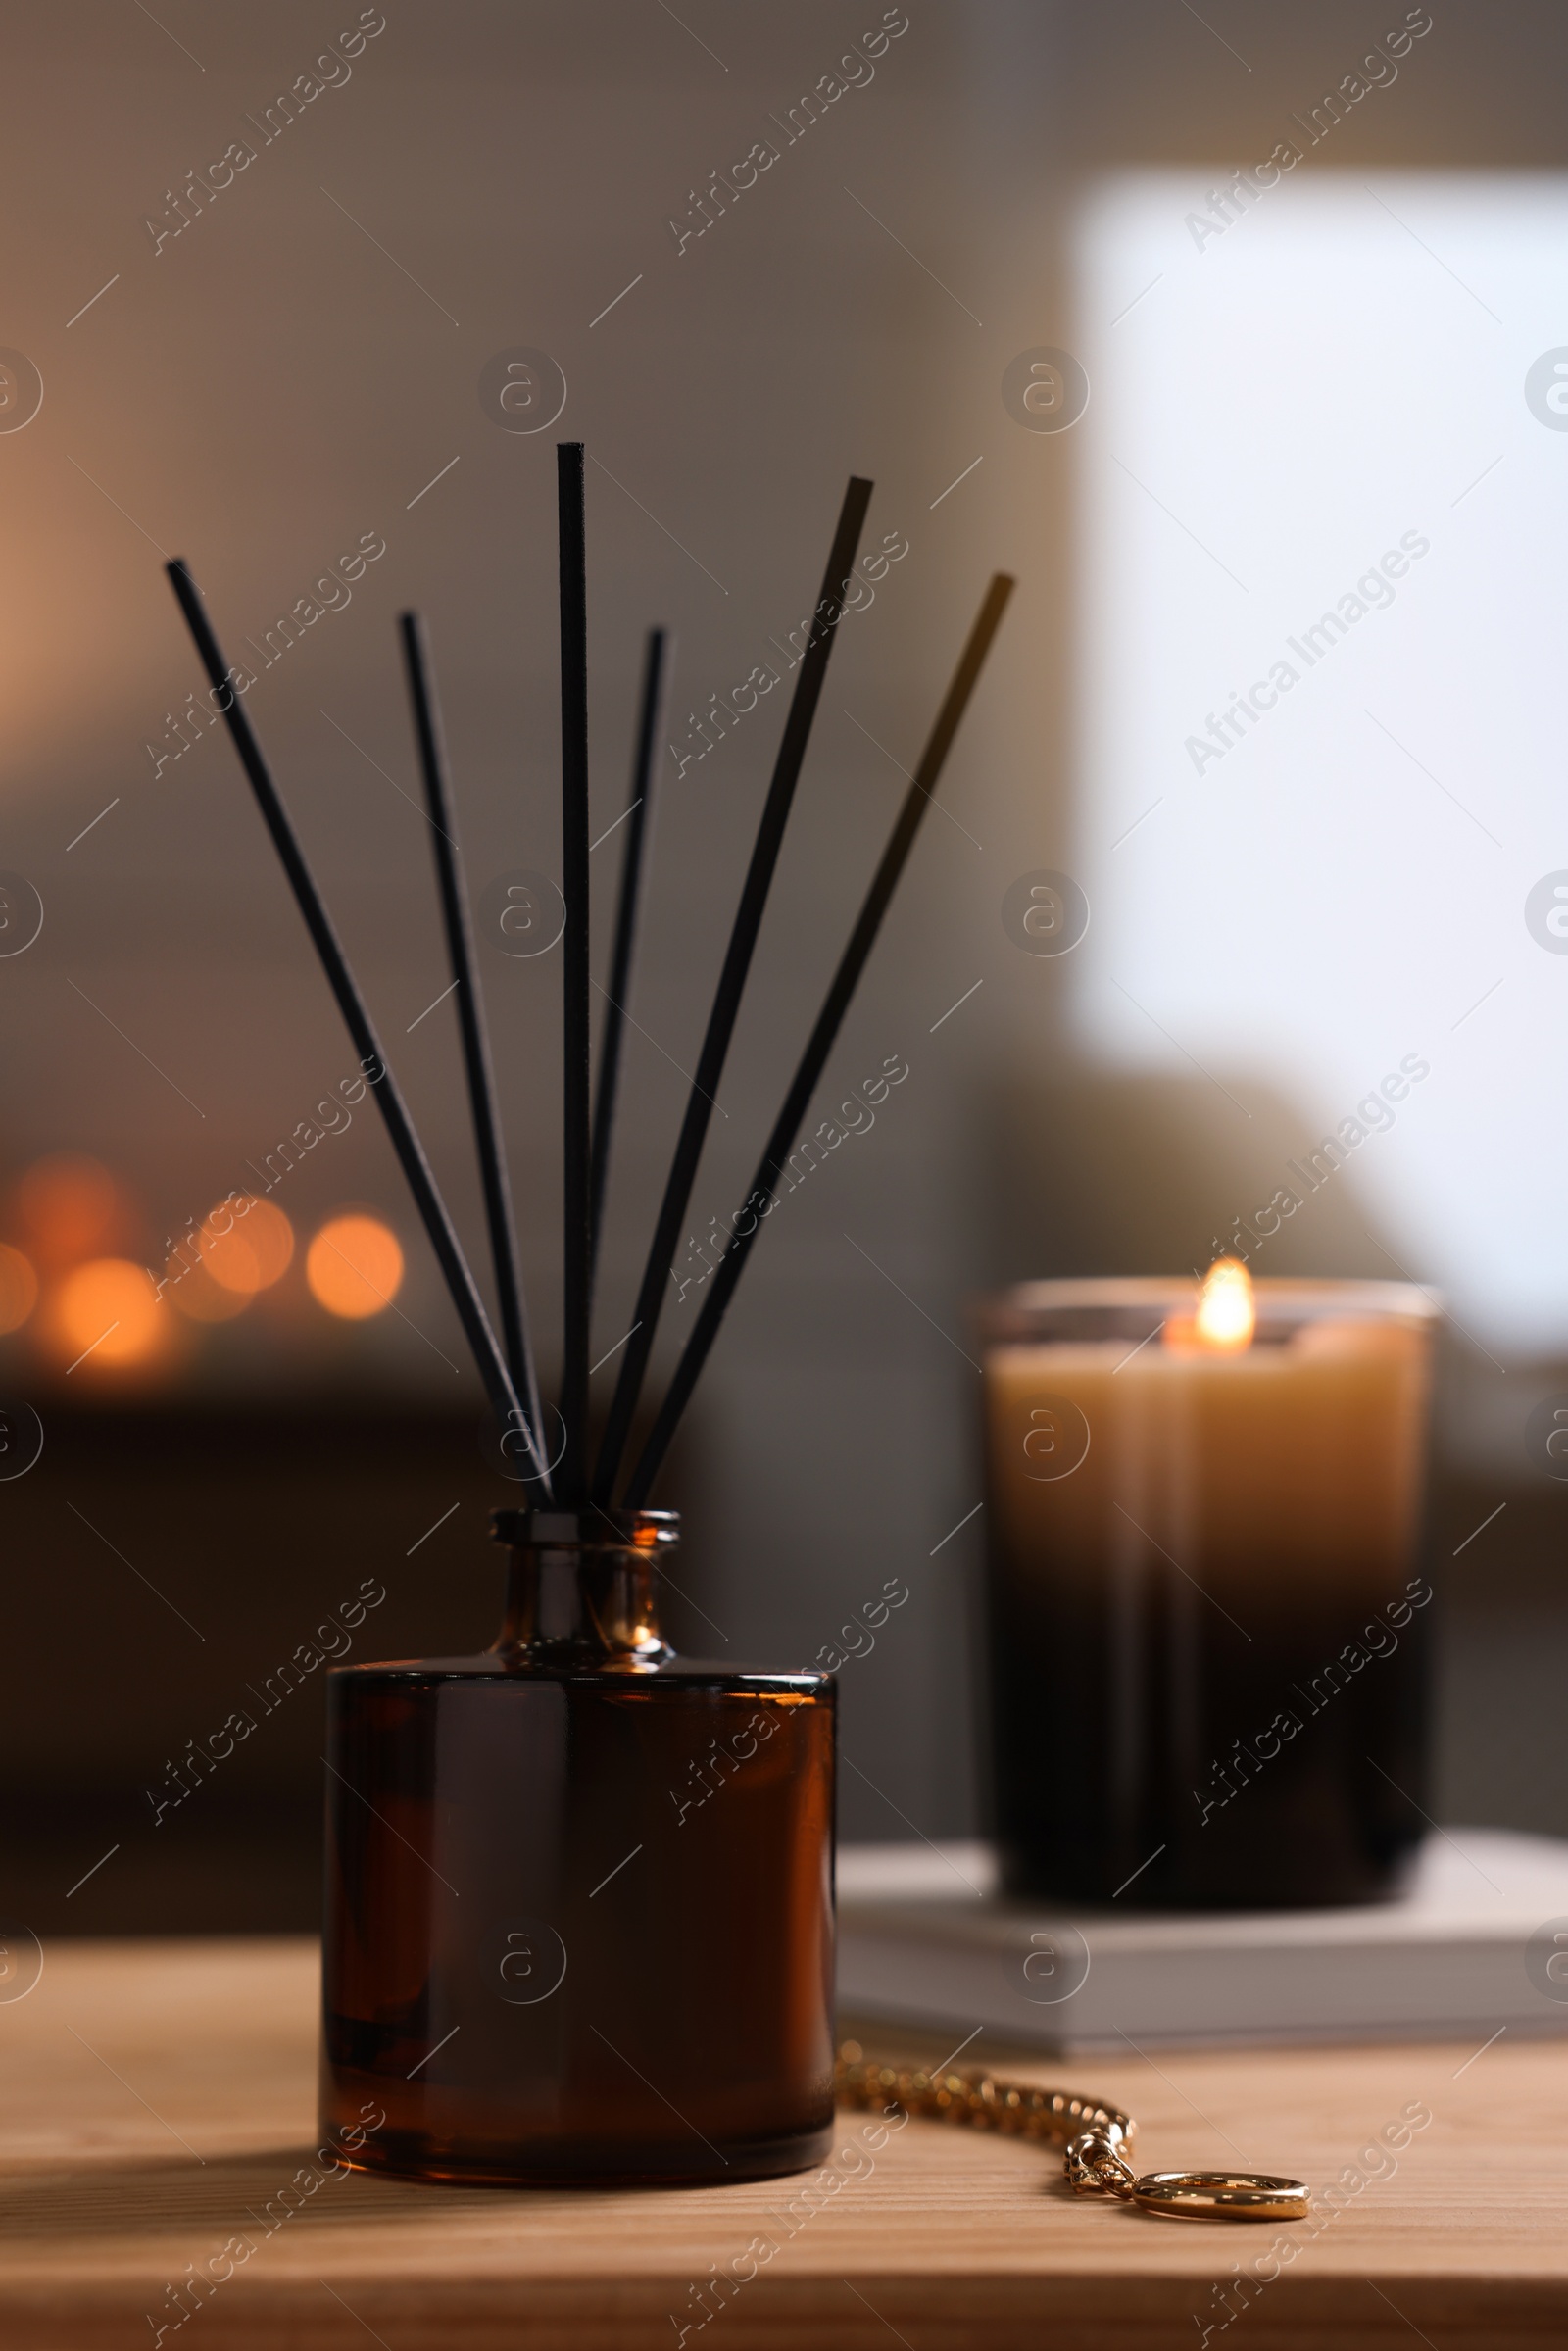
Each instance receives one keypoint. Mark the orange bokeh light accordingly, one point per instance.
(19, 1288)
(354, 1266)
(248, 1252)
(198, 1296)
(71, 1206)
(105, 1315)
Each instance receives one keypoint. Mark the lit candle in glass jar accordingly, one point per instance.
(1207, 1626)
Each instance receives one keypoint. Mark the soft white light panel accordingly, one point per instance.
(1338, 374)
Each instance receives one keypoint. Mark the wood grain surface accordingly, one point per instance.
(156, 2098)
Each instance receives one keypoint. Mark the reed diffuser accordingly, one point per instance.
(579, 1890)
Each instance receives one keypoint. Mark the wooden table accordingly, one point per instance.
(156, 2098)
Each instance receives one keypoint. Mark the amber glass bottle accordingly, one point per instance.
(579, 1891)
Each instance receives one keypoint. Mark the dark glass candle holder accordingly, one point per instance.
(1207, 1628)
(579, 1891)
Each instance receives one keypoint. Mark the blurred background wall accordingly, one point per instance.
(291, 380)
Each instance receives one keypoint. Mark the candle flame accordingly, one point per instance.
(1226, 1313)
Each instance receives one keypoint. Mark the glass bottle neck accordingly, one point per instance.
(580, 1587)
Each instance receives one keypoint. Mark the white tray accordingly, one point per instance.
(923, 1938)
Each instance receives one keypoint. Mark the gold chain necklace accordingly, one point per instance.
(1091, 2134)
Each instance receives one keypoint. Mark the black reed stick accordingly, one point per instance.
(644, 766)
(813, 1060)
(731, 982)
(577, 1236)
(487, 1133)
(405, 1143)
